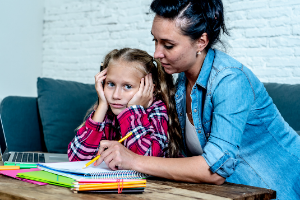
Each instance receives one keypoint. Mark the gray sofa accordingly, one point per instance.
(47, 122)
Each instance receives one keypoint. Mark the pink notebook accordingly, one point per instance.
(13, 174)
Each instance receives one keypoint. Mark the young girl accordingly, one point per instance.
(134, 95)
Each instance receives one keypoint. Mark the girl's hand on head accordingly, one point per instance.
(144, 96)
(99, 78)
(115, 155)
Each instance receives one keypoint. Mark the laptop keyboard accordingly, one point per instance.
(29, 157)
(5, 156)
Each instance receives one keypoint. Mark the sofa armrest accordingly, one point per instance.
(21, 124)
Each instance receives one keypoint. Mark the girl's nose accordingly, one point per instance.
(117, 93)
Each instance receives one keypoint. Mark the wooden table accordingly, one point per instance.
(156, 189)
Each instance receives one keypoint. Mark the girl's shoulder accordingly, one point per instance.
(158, 106)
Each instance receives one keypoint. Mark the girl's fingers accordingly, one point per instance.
(142, 85)
(150, 84)
(103, 72)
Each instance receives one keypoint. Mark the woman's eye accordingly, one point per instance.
(128, 86)
(168, 46)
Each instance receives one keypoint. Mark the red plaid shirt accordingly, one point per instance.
(149, 132)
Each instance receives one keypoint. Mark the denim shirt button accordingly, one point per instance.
(176, 95)
(180, 114)
(195, 110)
(199, 131)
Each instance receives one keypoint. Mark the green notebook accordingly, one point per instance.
(47, 177)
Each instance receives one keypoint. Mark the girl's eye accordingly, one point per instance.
(128, 86)
(110, 84)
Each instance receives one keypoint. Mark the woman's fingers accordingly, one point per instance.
(115, 155)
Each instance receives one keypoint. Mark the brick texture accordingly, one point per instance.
(264, 36)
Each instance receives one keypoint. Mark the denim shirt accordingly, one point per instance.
(243, 136)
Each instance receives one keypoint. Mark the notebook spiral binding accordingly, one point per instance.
(128, 174)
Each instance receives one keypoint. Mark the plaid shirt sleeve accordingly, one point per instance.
(149, 129)
(85, 144)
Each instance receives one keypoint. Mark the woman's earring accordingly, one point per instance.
(198, 53)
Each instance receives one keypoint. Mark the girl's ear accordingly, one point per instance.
(202, 42)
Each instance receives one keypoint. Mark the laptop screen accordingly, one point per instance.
(2, 139)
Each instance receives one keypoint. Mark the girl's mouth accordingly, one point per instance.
(115, 105)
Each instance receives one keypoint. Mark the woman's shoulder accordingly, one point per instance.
(223, 61)
(226, 70)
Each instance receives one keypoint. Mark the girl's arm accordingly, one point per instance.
(84, 145)
(149, 129)
(87, 139)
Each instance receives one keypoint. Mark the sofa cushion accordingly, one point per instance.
(62, 106)
(286, 98)
(20, 124)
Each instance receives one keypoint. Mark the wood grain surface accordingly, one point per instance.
(156, 189)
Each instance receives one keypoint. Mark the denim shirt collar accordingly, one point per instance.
(206, 69)
(203, 76)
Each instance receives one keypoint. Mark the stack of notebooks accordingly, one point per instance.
(90, 179)
(110, 185)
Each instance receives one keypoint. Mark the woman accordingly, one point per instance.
(231, 130)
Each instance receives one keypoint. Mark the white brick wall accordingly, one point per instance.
(265, 36)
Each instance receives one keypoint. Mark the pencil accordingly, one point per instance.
(9, 167)
(97, 157)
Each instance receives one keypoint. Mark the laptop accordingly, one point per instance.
(27, 157)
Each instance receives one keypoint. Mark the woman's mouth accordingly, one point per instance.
(115, 105)
(164, 64)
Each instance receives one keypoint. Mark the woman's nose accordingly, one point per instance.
(158, 52)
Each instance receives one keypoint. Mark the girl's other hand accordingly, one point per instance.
(144, 96)
(115, 155)
(99, 78)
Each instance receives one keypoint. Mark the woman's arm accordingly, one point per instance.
(192, 169)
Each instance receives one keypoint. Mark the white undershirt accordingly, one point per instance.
(192, 141)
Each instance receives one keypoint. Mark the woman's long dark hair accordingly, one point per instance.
(195, 17)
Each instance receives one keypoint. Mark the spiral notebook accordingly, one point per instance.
(74, 170)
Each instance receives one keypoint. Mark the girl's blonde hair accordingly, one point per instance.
(164, 89)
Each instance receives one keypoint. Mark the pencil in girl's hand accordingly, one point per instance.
(97, 157)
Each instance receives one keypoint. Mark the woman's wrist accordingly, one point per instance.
(137, 163)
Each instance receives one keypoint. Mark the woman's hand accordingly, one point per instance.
(144, 96)
(99, 78)
(115, 155)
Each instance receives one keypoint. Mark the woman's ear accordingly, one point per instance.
(202, 42)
